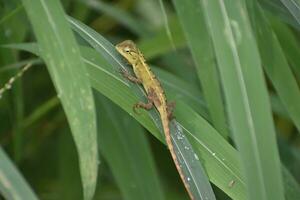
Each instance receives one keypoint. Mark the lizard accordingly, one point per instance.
(155, 94)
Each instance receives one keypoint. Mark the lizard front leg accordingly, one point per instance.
(129, 77)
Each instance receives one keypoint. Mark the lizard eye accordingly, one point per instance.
(126, 49)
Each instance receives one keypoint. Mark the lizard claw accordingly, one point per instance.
(135, 108)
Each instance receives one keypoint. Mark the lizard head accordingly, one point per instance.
(129, 50)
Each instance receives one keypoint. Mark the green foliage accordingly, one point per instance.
(209, 56)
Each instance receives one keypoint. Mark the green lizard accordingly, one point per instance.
(155, 93)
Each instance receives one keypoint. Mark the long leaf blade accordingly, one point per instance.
(61, 54)
(190, 168)
(293, 7)
(126, 149)
(246, 97)
(12, 184)
(202, 50)
(277, 67)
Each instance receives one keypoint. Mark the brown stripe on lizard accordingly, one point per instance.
(155, 94)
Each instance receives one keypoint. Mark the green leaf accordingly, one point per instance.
(293, 7)
(277, 67)
(277, 9)
(125, 147)
(150, 47)
(61, 54)
(246, 97)
(12, 183)
(111, 87)
(292, 189)
(69, 174)
(289, 44)
(12, 29)
(192, 171)
(120, 15)
(202, 50)
(219, 157)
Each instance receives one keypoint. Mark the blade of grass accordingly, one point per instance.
(278, 107)
(211, 146)
(277, 9)
(11, 14)
(293, 7)
(12, 29)
(149, 45)
(179, 89)
(121, 16)
(203, 55)
(246, 97)
(41, 111)
(291, 186)
(179, 63)
(12, 184)
(277, 67)
(69, 174)
(61, 54)
(166, 23)
(195, 187)
(138, 178)
(126, 99)
(150, 13)
(18, 65)
(289, 44)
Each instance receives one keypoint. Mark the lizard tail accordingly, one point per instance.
(166, 127)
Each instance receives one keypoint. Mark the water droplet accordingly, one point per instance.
(213, 154)
(188, 178)
(231, 183)
(179, 137)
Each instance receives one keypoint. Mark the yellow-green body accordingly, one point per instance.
(143, 72)
(155, 93)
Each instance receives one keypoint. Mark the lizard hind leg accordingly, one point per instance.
(146, 106)
(170, 108)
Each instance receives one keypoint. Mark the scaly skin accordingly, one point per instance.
(155, 93)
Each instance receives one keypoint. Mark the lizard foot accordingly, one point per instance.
(129, 77)
(146, 106)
